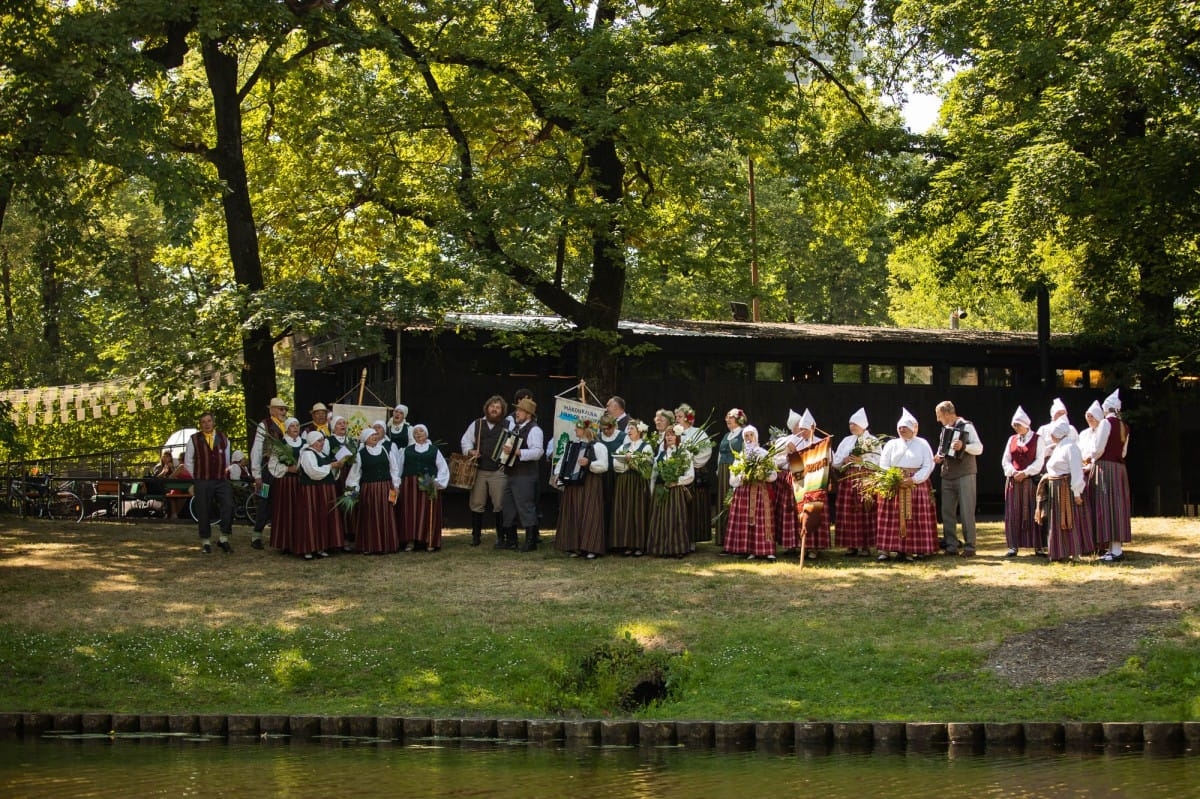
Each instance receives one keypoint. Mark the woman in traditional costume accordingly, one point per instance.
(1060, 505)
(424, 475)
(670, 534)
(749, 529)
(854, 522)
(375, 478)
(1110, 480)
(1022, 463)
(283, 464)
(318, 523)
(907, 523)
(803, 435)
(581, 505)
(631, 504)
(399, 431)
(731, 442)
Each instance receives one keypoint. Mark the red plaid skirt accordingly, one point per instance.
(750, 530)
(854, 525)
(920, 524)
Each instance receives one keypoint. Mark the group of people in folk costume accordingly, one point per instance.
(1067, 491)
(633, 490)
(325, 491)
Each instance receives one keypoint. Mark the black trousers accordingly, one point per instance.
(208, 491)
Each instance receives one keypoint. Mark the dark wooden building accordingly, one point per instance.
(444, 374)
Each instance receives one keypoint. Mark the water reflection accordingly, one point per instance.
(192, 767)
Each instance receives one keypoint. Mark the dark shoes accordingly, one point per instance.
(968, 552)
(1012, 553)
(206, 548)
(1109, 557)
(256, 544)
(226, 547)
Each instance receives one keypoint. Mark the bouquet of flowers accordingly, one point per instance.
(756, 466)
(869, 445)
(642, 461)
(427, 483)
(283, 451)
(347, 502)
(883, 483)
(670, 469)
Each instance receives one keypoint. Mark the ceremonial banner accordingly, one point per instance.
(810, 469)
(360, 416)
(566, 412)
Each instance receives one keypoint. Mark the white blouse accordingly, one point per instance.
(912, 454)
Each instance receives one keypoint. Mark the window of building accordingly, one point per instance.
(918, 375)
(997, 377)
(803, 372)
(728, 371)
(883, 373)
(683, 370)
(964, 376)
(768, 371)
(847, 373)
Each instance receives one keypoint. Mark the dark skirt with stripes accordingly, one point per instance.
(908, 522)
(1020, 501)
(374, 519)
(581, 517)
(722, 494)
(750, 529)
(1068, 526)
(1112, 508)
(631, 512)
(854, 524)
(283, 511)
(421, 518)
(318, 523)
(700, 511)
(787, 521)
(669, 533)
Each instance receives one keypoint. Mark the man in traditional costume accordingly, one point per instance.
(479, 442)
(270, 428)
(207, 459)
(521, 478)
(958, 447)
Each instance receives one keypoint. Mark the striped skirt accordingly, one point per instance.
(907, 522)
(700, 512)
(581, 517)
(669, 533)
(854, 524)
(750, 529)
(631, 512)
(722, 495)
(1112, 506)
(421, 518)
(374, 519)
(787, 521)
(1020, 501)
(318, 523)
(1068, 526)
(283, 511)
(814, 520)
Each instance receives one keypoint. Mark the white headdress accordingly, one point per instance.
(1113, 401)
(1020, 417)
(907, 420)
(859, 418)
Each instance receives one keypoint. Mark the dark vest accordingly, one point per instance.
(375, 468)
(961, 465)
(486, 442)
(323, 459)
(400, 439)
(274, 432)
(730, 443)
(522, 467)
(418, 463)
(1023, 454)
(1118, 432)
(210, 462)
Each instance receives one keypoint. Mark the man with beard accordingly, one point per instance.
(479, 442)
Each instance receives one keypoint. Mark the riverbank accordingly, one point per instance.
(119, 619)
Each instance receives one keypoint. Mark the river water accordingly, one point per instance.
(175, 766)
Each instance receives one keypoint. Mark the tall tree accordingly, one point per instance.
(1073, 160)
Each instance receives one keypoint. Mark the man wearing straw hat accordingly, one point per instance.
(521, 482)
(271, 427)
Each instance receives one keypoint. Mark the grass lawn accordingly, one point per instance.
(121, 618)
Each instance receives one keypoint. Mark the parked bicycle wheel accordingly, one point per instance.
(65, 506)
(214, 512)
(251, 507)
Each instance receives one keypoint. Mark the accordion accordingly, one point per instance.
(511, 457)
(949, 436)
(570, 473)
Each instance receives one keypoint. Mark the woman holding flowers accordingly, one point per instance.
(907, 524)
(283, 465)
(375, 478)
(633, 464)
(673, 474)
(581, 507)
(730, 443)
(803, 435)
(424, 475)
(856, 454)
(318, 523)
(749, 530)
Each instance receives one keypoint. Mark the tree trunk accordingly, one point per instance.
(258, 368)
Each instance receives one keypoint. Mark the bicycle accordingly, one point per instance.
(37, 496)
(245, 505)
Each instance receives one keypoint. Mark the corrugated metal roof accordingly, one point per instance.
(751, 330)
